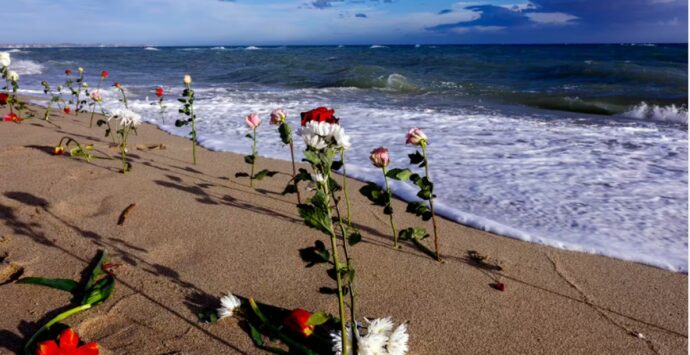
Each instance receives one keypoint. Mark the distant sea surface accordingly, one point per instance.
(582, 147)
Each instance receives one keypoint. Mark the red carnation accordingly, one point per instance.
(68, 72)
(321, 114)
(67, 110)
(3, 98)
(159, 91)
(104, 74)
(297, 322)
(12, 117)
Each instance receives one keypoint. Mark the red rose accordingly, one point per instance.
(297, 322)
(104, 74)
(67, 110)
(117, 85)
(321, 114)
(12, 117)
(159, 91)
(68, 72)
(3, 98)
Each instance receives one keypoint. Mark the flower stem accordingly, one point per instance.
(338, 280)
(431, 203)
(95, 103)
(123, 150)
(294, 171)
(59, 317)
(191, 110)
(251, 177)
(390, 203)
(347, 196)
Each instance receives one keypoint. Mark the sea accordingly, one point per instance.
(579, 147)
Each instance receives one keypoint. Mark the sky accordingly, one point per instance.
(314, 22)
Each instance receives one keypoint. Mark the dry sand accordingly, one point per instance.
(197, 232)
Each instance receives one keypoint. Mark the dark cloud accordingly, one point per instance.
(491, 16)
(324, 4)
(361, 15)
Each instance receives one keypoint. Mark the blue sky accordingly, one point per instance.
(275, 22)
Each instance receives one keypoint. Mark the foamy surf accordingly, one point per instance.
(670, 113)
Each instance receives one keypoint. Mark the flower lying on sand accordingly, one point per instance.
(59, 150)
(67, 110)
(380, 339)
(322, 135)
(69, 345)
(297, 322)
(12, 117)
(229, 303)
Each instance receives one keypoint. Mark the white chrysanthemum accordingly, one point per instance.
(127, 117)
(12, 75)
(397, 342)
(5, 59)
(229, 303)
(321, 135)
(380, 326)
(337, 341)
(372, 344)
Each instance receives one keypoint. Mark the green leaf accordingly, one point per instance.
(264, 173)
(318, 318)
(399, 174)
(97, 271)
(374, 193)
(290, 189)
(420, 209)
(256, 336)
(180, 123)
(354, 238)
(312, 157)
(336, 165)
(250, 159)
(416, 158)
(60, 284)
(426, 188)
(249, 136)
(413, 233)
(208, 316)
(100, 291)
(285, 133)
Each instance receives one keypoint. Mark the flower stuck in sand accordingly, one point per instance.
(187, 79)
(159, 92)
(67, 110)
(127, 117)
(379, 157)
(104, 74)
(68, 72)
(278, 116)
(187, 109)
(69, 345)
(319, 114)
(228, 304)
(415, 136)
(322, 135)
(297, 322)
(12, 76)
(253, 121)
(96, 96)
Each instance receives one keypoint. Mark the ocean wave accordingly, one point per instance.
(27, 67)
(376, 46)
(252, 48)
(220, 48)
(670, 113)
(15, 50)
(151, 49)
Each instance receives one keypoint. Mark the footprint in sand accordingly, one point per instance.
(85, 206)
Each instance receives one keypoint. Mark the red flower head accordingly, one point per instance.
(3, 98)
(118, 85)
(67, 110)
(69, 345)
(297, 322)
(68, 72)
(12, 117)
(159, 91)
(59, 150)
(104, 74)
(321, 114)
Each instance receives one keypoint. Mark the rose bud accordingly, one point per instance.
(253, 120)
(104, 74)
(499, 286)
(117, 85)
(297, 322)
(81, 70)
(12, 117)
(68, 72)
(159, 91)
(277, 116)
(379, 157)
(67, 110)
(187, 79)
(96, 96)
(59, 150)
(415, 136)
(3, 98)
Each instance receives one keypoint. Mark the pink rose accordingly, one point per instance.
(415, 136)
(277, 116)
(96, 96)
(379, 157)
(253, 120)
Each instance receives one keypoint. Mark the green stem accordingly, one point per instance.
(191, 111)
(338, 280)
(123, 150)
(95, 102)
(251, 177)
(390, 203)
(431, 202)
(59, 317)
(294, 171)
(347, 196)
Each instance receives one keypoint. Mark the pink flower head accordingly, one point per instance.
(278, 116)
(415, 136)
(253, 120)
(379, 157)
(96, 96)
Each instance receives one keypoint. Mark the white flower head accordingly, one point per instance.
(397, 342)
(380, 326)
(318, 178)
(321, 135)
(5, 59)
(337, 342)
(372, 344)
(229, 303)
(12, 75)
(127, 117)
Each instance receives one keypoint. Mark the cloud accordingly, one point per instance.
(361, 15)
(552, 18)
(324, 4)
(445, 11)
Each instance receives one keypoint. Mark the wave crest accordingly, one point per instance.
(26, 67)
(671, 113)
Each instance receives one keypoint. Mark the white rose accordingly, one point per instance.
(187, 79)
(5, 59)
(13, 76)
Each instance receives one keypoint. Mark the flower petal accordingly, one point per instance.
(91, 348)
(47, 348)
(68, 340)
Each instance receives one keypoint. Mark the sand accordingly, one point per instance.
(197, 232)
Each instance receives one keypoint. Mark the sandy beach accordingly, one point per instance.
(197, 232)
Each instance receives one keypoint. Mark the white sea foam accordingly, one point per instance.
(616, 189)
(252, 48)
(671, 113)
(26, 67)
(151, 49)
(221, 48)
